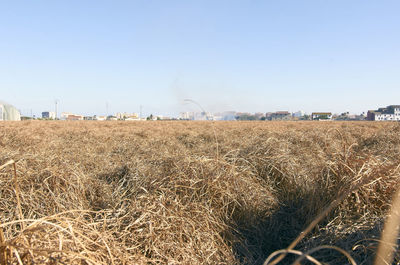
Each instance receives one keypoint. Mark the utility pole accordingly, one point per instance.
(140, 115)
(56, 103)
(106, 109)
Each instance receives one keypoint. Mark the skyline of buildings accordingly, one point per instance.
(218, 116)
(389, 113)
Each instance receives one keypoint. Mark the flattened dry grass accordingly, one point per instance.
(194, 192)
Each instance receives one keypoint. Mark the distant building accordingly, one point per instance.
(390, 113)
(203, 116)
(355, 117)
(225, 116)
(127, 116)
(321, 116)
(71, 117)
(64, 115)
(278, 116)
(198, 116)
(245, 116)
(228, 115)
(346, 116)
(298, 114)
(99, 118)
(112, 118)
(74, 117)
(48, 115)
(259, 115)
(9, 112)
(268, 116)
(186, 116)
(133, 119)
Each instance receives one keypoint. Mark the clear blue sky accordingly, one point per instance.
(338, 55)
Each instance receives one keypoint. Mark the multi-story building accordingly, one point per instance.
(187, 116)
(390, 113)
(9, 112)
(48, 115)
(127, 116)
(278, 116)
(203, 116)
(198, 116)
(321, 116)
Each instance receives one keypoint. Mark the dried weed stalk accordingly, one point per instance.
(155, 193)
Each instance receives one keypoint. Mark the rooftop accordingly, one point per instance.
(322, 113)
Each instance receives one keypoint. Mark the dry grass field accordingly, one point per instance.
(193, 192)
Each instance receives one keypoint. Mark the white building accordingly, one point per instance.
(99, 118)
(390, 113)
(127, 116)
(298, 114)
(71, 117)
(9, 112)
(187, 115)
(48, 115)
(321, 116)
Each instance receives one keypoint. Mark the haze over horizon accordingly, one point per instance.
(249, 56)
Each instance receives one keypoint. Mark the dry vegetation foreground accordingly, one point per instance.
(193, 192)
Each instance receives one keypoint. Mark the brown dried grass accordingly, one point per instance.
(194, 192)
